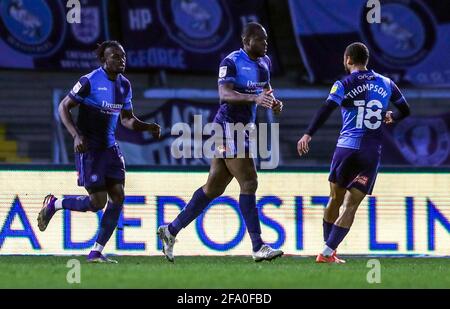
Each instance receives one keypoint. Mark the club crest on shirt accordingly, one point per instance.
(362, 180)
(221, 149)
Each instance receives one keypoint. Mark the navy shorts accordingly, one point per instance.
(235, 142)
(355, 168)
(99, 168)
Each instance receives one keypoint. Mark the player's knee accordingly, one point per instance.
(249, 186)
(97, 202)
(97, 206)
(336, 199)
(213, 192)
(117, 199)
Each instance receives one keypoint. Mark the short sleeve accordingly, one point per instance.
(81, 90)
(227, 71)
(397, 97)
(336, 93)
(127, 104)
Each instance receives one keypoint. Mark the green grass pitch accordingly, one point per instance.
(222, 272)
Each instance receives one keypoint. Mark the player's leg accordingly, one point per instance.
(114, 179)
(90, 167)
(94, 202)
(341, 226)
(363, 170)
(244, 170)
(109, 220)
(344, 169)
(331, 213)
(218, 179)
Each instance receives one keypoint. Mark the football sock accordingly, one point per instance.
(80, 203)
(326, 229)
(109, 222)
(337, 234)
(247, 204)
(327, 251)
(193, 209)
(58, 204)
(97, 247)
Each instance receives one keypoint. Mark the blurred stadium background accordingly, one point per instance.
(174, 49)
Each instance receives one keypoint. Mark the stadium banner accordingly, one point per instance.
(418, 141)
(39, 34)
(186, 35)
(407, 43)
(408, 213)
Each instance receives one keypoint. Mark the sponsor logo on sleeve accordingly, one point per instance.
(334, 88)
(222, 71)
(76, 88)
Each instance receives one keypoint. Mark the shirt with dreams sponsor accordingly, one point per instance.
(101, 101)
(364, 97)
(247, 76)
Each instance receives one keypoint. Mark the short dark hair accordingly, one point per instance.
(358, 52)
(100, 51)
(250, 29)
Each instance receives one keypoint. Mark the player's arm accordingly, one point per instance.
(227, 93)
(403, 108)
(130, 121)
(319, 119)
(334, 99)
(277, 105)
(231, 96)
(76, 96)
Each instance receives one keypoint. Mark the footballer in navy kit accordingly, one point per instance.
(244, 83)
(363, 97)
(103, 96)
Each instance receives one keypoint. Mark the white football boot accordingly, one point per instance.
(168, 242)
(266, 253)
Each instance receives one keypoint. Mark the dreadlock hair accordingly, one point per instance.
(100, 51)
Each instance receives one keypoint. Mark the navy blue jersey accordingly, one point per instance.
(247, 76)
(101, 101)
(364, 97)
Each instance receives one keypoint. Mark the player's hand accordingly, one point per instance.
(265, 99)
(277, 106)
(155, 129)
(388, 119)
(79, 144)
(303, 145)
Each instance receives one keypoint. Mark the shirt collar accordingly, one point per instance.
(362, 71)
(106, 74)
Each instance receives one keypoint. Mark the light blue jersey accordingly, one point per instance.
(248, 76)
(364, 97)
(101, 101)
